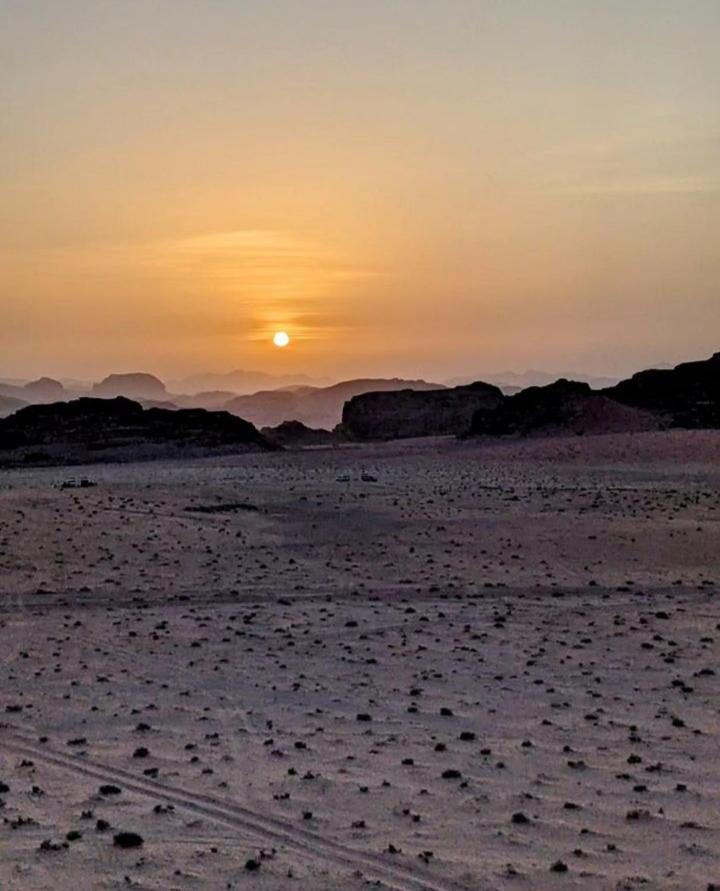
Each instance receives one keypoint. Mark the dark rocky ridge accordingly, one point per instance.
(564, 407)
(406, 413)
(685, 396)
(87, 430)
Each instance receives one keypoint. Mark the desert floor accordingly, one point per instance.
(488, 666)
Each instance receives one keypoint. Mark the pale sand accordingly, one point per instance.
(556, 598)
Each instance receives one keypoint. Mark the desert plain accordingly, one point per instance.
(432, 665)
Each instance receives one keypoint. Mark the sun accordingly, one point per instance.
(281, 338)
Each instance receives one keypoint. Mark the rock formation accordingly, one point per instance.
(294, 434)
(119, 429)
(564, 407)
(685, 396)
(44, 389)
(138, 385)
(313, 406)
(405, 413)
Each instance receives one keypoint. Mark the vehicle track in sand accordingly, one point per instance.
(264, 595)
(271, 830)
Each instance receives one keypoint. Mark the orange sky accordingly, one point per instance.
(434, 188)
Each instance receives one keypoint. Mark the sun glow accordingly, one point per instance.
(281, 339)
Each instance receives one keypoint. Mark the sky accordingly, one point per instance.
(406, 187)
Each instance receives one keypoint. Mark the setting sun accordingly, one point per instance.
(281, 339)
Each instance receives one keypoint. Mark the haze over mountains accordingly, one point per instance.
(687, 396)
(265, 399)
(312, 405)
(242, 383)
(44, 389)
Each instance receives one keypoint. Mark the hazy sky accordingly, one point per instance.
(432, 187)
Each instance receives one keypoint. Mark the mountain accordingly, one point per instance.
(563, 407)
(91, 430)
(313, 406)
(405, 413)
(685, 396)
(137, 385)
(511, 382)
(9, 404)
(241, 383)
(12, 391)
(44, 389)
(211, 399)
(293, 434)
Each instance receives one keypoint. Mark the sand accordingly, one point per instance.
(487, 665)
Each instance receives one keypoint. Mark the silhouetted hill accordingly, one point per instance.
(562, 407)
(9, 404)
(404, 413)
(11, 391)
(136, 385)
(119, 429)
(158, 403)
(212, 399)
(294, 434)
(313, 406)
(243, 382)
(44, 389)
(686, 396)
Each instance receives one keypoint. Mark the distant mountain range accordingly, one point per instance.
(9, 404)
(394, 407)
(14, 395)
(242, 383)
(312, 405)
(513, 381)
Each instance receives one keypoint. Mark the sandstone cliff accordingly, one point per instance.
(404, 413)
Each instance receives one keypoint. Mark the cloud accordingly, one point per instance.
(250, 281)
(254, 260)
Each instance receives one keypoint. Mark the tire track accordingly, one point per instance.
(266, 594)
(271, 829)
